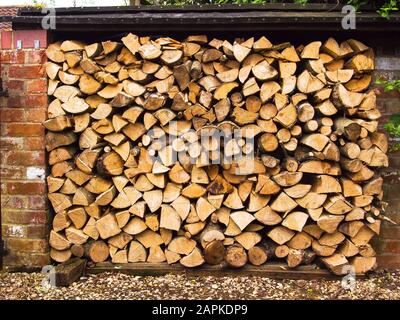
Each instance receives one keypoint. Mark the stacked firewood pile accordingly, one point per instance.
(210, 150)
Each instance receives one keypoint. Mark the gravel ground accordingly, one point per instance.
(382, 285)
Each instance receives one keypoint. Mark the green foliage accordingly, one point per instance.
(393, 125)
(389, 85)
(357, 4)
(385, 7)
(393, 128)
(300, 1)
(388, 7)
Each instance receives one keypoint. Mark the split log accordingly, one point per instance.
(193, 259)
(297, 257)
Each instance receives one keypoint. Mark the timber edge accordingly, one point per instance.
(273, 270)
(206, 18)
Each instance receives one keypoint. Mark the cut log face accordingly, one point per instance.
(257, 255)
(181, 245)
(295, 220)
(170, 219)
(108, 226)
(283, 203)
(267, 216)
(242, 219)
(236, 256)
(58, 241)
(290, 169)
(336, 263)
(248, 239)
(214, 252)
(193, 259)
(281, 234)
(307, 83)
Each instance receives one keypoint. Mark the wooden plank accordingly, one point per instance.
(196, 8)
(210, 21)
(69, 271)
(271, 270)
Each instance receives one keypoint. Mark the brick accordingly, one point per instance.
(34, 143)
(26, 158)
(12, 143)
(3, 187)
(34, 101)
(394, 208)
(391, 246)
(391, 191)
(26, 260)
(384, 119)
(19, 217)
(36, 115)
(14, 230)
(391, 106)
(14, 85)
(386, 94)
(39, 231)
(37, 202)
(26, 72)
(390, 232)
(15, 101)
(387, 63)
(388, 261)
(17, 261)
(395, 216)
(27, 245)
(29, 36)
(4, 70)
(12, 172)
(385, 75)
(3, 158)
(12, 115)
(13, 202)
(6, 40)
(24, 129)
(29, 188)
(394, 161)
(12, 56)
(37, 86)
(24, 100)
(35, 56)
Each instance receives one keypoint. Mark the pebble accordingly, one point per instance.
(379, 285)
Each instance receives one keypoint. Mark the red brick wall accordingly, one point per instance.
(388, 244)
(24, 214)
